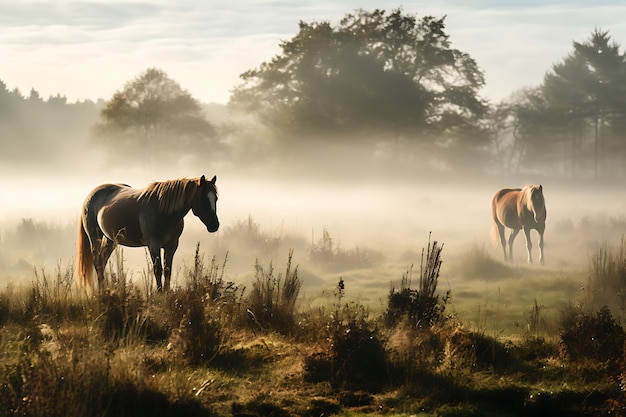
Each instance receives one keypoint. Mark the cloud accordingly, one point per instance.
(89, 49)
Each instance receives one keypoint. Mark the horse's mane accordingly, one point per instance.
(528, 189)
(171, 195)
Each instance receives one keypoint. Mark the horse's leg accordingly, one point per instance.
(502, 238)
(168, 258)
(540, 231)
(155, 254)
(529, 244)
(512, 237)
(107, 246)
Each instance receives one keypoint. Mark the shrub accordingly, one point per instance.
(587, 336)
(353, 351)
(120, 307)
(196, 313)
(421, 307)
(331, 257)
(248, 234)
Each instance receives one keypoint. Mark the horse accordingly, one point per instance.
(519, 209)
(115, 214)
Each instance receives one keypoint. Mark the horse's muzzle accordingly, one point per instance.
(213, 227)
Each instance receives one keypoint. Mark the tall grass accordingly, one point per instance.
(125, 351)
(422, 307)
(271, 304)
(333, 258)
(198, 314)
(607, 276)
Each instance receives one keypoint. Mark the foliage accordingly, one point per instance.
(332, 257)
(54, 139)
(593, 337)
(186, 353)
(353, 353)
(198, 313)
(119, 308)
(272, 301)
(50, 295)
(577, 115)
(374, 71)
(421, 307)
(607, 276)
(82, 381)
(247, 234)
(153, 115)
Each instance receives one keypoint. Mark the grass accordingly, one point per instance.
(212, 347)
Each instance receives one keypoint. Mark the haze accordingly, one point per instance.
(378, 198)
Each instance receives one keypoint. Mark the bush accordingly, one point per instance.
(333, 258)
(354, 352)
(120, 306)
(587, 336)
(247, 234)
(421, 307)
(196, 313)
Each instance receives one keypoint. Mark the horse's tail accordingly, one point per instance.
(84, 257)
(495, 234)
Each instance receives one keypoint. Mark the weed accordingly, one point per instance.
(421, 307)
(272, 301)
(51, 296)
(587, 336)
(353, 351)
(248, 234)
(197, 313)
(331, 257)
(607, 276)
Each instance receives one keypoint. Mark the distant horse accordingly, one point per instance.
(519, 209)
(118, 214)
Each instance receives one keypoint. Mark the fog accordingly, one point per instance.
(375, 200)
(385, 215)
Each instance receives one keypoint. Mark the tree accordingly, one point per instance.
(373, 72)
(153, 114)
(573, 122)
(588, 90)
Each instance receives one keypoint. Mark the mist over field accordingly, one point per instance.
(354, 271)
(379, 222)
(353, 162)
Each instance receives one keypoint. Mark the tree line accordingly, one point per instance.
(378, 82)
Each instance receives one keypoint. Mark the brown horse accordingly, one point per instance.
(118, 214)
(519, 209)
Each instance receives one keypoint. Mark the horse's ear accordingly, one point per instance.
(214, 179)
(201, 181)
(540, 187)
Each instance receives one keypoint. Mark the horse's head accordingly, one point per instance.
(204, 205)
(536, 204)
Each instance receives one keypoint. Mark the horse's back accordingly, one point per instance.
(101, 195)
(115, 209)
(504, 207)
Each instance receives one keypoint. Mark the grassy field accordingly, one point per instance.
(276, 319)
(350, 332)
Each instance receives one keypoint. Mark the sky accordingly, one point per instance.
(88, 49)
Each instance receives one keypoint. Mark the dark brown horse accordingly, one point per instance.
(519, 209)
(118, 214)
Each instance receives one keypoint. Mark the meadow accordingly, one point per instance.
(374, 307)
